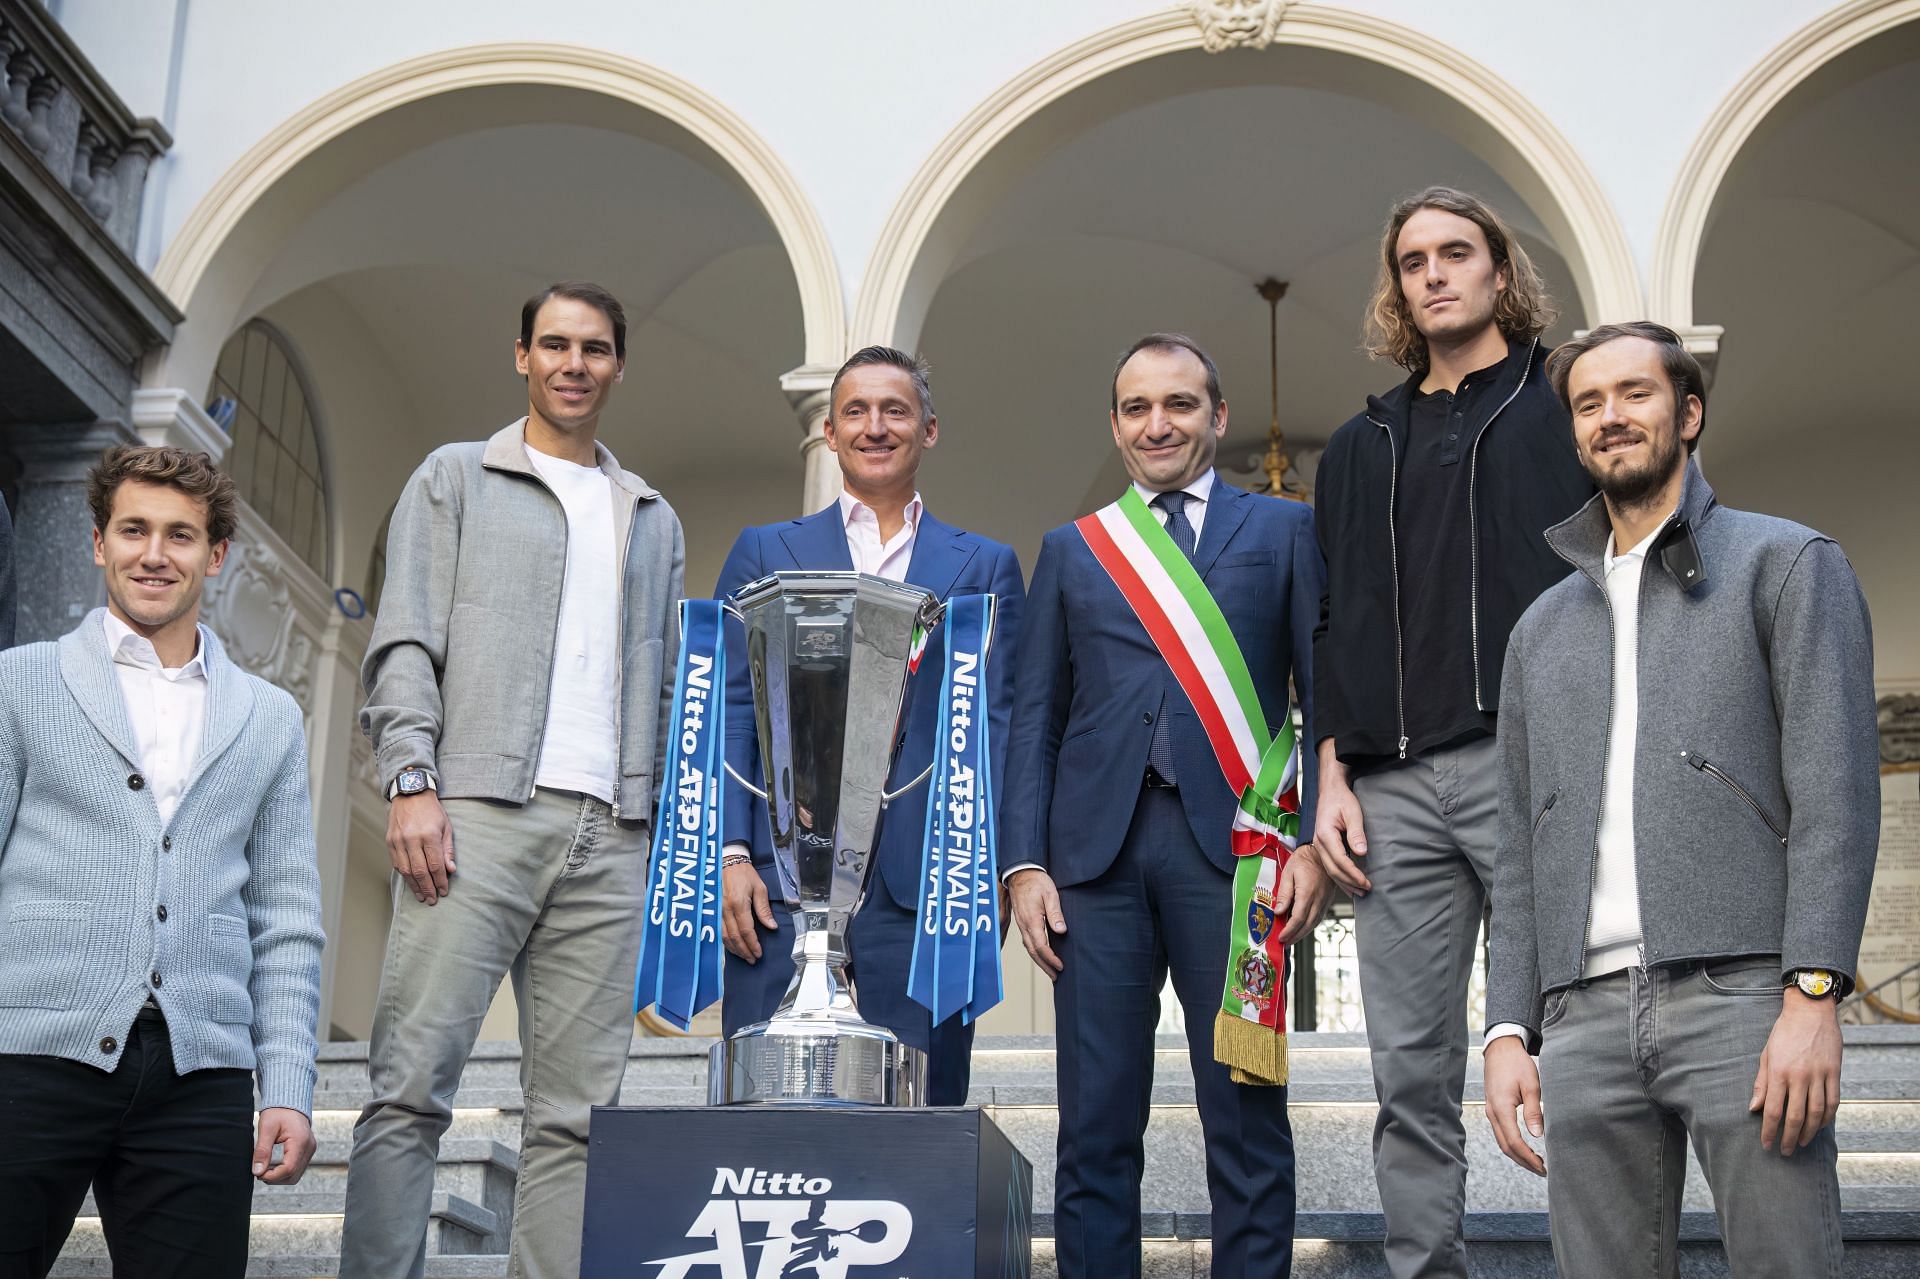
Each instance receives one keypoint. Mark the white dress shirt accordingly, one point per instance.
(580, 747)
(1197, 494)
(1613, 915)
(888, 559)
(166, 708)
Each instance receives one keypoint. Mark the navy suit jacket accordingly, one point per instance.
(1090, 681)
(946, 561)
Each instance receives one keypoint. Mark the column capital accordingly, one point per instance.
(171, 416)
(62, 452)
(1703, 343)
(807, 389)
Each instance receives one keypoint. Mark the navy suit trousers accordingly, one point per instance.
(1161, 908)
(880, 951)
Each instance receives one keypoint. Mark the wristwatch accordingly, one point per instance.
(1816, 983)
(411, 781)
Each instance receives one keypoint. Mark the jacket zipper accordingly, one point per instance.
(1393, 550)
(1701, 764)
(566, 535)
(1544, 811)
(1473, 528)
(620, 660)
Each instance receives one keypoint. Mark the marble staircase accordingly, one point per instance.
(296, 1230)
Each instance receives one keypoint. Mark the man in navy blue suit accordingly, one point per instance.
(880, 422)
(1117, 819)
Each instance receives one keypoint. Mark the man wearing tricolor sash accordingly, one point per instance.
(1150, 823)
(879, 424)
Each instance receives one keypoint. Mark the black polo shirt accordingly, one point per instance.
(1433, 523)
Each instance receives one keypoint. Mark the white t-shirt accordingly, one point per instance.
(580, 748)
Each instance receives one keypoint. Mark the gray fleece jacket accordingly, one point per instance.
(461, 661)
(1756, 807)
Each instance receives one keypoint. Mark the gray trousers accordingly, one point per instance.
(1432, 826)
(1632, 1066)
(552, 892)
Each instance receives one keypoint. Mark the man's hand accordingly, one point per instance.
(1036, 909)
(420, 844)
(1339, 832)
(743, 899)
(293, 1133)
(1798, 1087)
(1513, 1084)
(1301, 895)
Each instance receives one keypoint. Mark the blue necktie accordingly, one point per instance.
(1180, 529)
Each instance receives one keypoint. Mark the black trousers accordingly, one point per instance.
(167, 1155)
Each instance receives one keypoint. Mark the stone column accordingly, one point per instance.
(332, 725)
(53, 563)
(807, 389)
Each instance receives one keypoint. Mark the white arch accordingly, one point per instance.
(187, 268)
(914, 251)
(1683, 223)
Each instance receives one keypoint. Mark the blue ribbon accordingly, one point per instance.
(681, 959)
(956, 947)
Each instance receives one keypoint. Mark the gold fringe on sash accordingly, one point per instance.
(1253, 1053)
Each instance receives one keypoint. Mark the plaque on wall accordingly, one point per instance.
(1900, 732)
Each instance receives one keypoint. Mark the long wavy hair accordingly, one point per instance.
(1523, 310)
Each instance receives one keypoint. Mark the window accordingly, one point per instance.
(275, 459)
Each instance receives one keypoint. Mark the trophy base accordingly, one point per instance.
(834, 1065)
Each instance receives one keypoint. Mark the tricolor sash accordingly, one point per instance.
(1185, 623)
(956, 947)
(681, 958)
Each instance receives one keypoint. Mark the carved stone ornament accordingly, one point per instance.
(251, 610)
(1900, 731)
(1237, 24)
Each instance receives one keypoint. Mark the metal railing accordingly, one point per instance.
(1893, 999)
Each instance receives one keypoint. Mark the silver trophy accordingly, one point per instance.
(828, 653)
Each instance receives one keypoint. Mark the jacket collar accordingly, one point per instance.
(507, 451)
(819, 541)
(1227, 509)
(940, 551)
(1393, 409)
(1581, 538)
(87, 669)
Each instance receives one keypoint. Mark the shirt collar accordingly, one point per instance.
(1638, 552)
(130, 648)
(851, 508)
(1199, 490)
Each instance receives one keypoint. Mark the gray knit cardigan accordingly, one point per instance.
(86, 867)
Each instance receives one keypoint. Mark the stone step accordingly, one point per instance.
(307, 1266)
(306, 1224)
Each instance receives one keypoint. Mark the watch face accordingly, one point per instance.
(1815, 984)
(412, 781)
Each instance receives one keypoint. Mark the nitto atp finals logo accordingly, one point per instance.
(782, 1225)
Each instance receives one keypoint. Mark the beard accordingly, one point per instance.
(1629, 487)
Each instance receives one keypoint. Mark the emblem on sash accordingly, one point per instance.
(1253, 978)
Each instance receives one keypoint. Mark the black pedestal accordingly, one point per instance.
(746, 1192)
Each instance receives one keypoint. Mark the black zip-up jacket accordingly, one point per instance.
(1524, 477)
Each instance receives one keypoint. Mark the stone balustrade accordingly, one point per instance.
(54, 103)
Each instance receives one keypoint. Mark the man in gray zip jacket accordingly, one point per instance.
(517, 687)
(1689, 816)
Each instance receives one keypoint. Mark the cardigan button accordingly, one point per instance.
(160, 912)
(154, 977)
(135, 781)
(166, 843)
(108, 1044)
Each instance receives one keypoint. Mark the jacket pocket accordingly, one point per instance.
(41, 954)
(1702, 765)
(1245, 559)
(1743, 976)
(229, 970)
(1545, 808)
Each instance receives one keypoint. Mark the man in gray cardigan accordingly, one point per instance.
(159, 904)
(518, 682)
(1689, 818)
